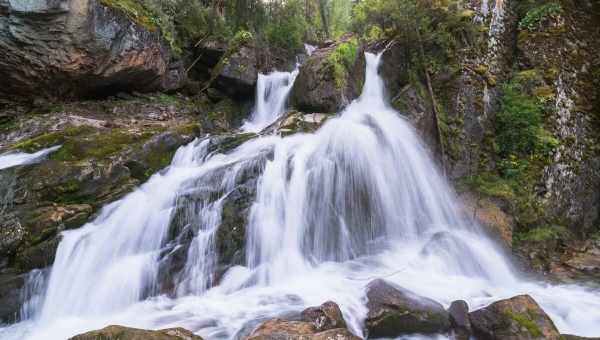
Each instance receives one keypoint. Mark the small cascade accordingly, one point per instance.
(359, 199)
(310, 49)
(20, 158)
(272, 91)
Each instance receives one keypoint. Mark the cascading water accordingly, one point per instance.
(272, 91)
(357, 200)
(20, 158)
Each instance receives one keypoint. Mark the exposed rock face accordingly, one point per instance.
(572, 180)
(234, 69)
(318, 323)
(490, 215)
(79, 48)
(126, 333)
(394, 311)
(326, 84)
(476, 98)
(519, 317)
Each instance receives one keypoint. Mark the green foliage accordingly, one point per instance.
(287, 27)
(135, 10)
(546, 233)
(517, 122)
(535, 17)
(341, 61)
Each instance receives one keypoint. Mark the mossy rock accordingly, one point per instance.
(519, 317)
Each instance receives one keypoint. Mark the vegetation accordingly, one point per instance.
(537, 15)
(342, 59)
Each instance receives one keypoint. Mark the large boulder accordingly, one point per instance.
(395, 311)
(330, 78)
(81, 48)
(127, 333)
(519, 317)
(318, 323)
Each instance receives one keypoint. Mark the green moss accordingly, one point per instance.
(535, 17)
(67, 187)
(135, 11)
(50, 139)
(545, 233)
(525, 320)
(341, 60)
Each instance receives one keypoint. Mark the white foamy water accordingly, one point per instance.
(272, 92)
(310, 49)
(20, 158)
(358, 200)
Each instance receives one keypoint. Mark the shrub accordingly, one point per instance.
(518, 122)
(535, 17)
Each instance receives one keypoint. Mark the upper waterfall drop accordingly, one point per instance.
(20, 158)
(272, 91)
(359, 199)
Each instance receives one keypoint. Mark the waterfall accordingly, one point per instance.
(272, 91)
(20, 158)
(357, 200)
(310, 49)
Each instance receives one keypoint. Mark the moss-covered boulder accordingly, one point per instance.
(519, 317)
(127, 333)
(395, 311)
(330, 78)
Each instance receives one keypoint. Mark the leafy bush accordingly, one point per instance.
(342, 59)
(546, 233)
(518, 122)
(536, 16)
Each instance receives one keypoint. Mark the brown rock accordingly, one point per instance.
(80, 48)
(325, 317)
(519, 317)
(126, 333)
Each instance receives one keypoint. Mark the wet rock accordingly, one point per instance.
(326, 84)
(394, 311)
(80, 48)
(318, 323)
(459, 319)
(11, 282)
(295, 122)
(126, 333)
(325, 317)
(283, 329)
(519, 317)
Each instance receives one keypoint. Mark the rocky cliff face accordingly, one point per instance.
(72, 48)
(484, 65)
(571, 47)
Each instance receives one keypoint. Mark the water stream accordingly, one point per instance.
(357, 200)
(21, 158)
